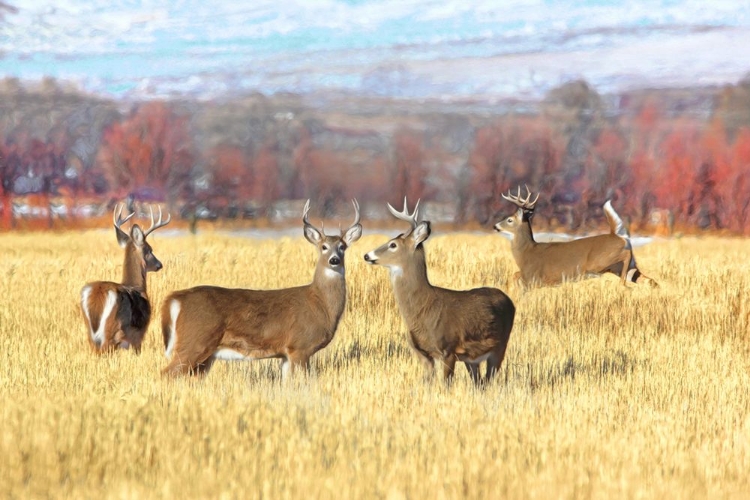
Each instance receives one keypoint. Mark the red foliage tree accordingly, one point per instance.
(507, 154)
(150, 148)
(730, 178)
(410, 171)
(265, 188)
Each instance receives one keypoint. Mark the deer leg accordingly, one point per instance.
(295, 362)
(202, 369)
(188, 361)
(625, 263)
(494, 361)
(448, 364)
(473, 369)
(428, 364)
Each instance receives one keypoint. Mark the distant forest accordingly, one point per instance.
(674, 157)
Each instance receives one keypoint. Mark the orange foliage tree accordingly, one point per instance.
(150, 148)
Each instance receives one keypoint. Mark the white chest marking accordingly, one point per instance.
(174, 311)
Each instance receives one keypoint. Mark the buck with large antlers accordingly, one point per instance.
(117, 314)
(206, 323)
(552, 263)
(445, 326)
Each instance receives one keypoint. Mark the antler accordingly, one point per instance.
(159, 224)
(306, 221)
(116, 216)
(356, 216)
(404, 214)
(523, 203)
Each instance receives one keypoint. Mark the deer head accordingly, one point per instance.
(135, 243)
(395, 254)
(522, 216)
(331, 248)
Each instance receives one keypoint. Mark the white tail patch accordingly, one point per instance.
(174, 311)
(286, 367)
(109, 305)
(620, 228)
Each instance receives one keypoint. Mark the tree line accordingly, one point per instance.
(236, 158)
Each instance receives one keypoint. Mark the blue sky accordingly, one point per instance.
(413, 49)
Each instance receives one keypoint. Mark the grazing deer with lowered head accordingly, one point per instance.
(444, 325)
(117, 314)
(552, 263)
(206, 323)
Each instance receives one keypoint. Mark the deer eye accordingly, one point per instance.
(510, 219)
(392, 245)
(325, 248)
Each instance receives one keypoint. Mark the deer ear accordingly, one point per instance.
(421, 233)
(353, 234)
(122, 237)
(137, 235)
(312, 235)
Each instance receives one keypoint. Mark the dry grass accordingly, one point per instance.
(605, 392)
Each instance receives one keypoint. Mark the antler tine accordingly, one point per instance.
(525, 202)
(117, 213)
(404, 214)
(157, 225)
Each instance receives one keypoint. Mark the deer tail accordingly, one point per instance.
(169, 313)
(616, 225)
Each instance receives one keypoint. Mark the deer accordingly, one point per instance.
(543, 264)
(445, 326)
(117, 314)
(207, 323)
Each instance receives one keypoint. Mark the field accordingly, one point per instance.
(605, 391)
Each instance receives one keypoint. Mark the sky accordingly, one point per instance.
(415, 49)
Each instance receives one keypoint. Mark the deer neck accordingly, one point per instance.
(330, 286)
(133, 270)
(412, 288)
(523, 240)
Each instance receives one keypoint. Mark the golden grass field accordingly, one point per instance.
(605, 391)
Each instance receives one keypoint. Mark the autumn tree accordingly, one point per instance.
(152, 148)
(506, 154)
(410, 173)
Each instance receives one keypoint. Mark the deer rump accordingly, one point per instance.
(131, 309)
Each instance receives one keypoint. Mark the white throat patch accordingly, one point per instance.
(332, 273)
(396, 272)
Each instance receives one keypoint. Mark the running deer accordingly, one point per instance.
(552, 263)
(206, 323)
(444, 325)
(117, 314)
